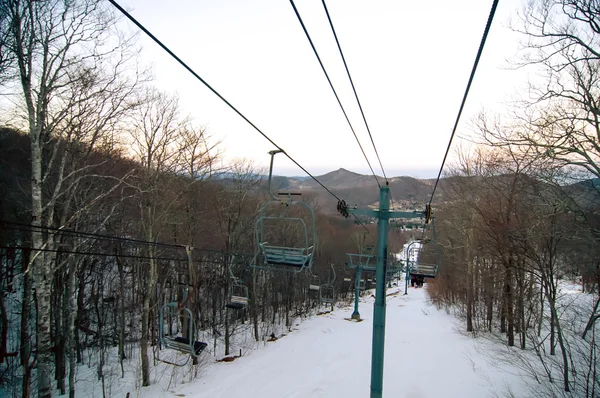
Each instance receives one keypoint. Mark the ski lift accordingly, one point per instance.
(273, 248)
(427, 270)
(327, 294)
(238, 298)
(424, 270)
(327, 291)
(315, 283)
(362, 285)
(239, 295)
(183, 338)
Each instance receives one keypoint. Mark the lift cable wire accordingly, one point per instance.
(462, 105)
(90, 253)
(335, 92)
(353, 88)
(98, 237)
(13, 226)
(189, 69)
(70, 232)
(183, 259)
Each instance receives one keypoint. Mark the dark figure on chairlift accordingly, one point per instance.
(417, 280)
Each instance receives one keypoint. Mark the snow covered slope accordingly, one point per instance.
(328, 356)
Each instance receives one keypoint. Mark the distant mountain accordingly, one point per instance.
(586, 193)
(407, 193)
(357, 189)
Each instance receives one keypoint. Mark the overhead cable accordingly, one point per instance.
(189, 69)
(464, 100)
(333, 89)
(353, 88)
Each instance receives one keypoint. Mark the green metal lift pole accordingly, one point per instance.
(356, 314)
(383, 214)
(379, 310)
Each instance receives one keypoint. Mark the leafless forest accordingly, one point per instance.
(114, 203)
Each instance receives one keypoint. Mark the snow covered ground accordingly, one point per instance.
(328, 356)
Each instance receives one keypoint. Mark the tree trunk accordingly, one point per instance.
(469, 294)
(521, 307)
(510, 318)
(146, 320)
(541, 317)
(254, 305)
(563, 348)
(72, 305)
(3, 320)
(80, 311)
(59, 309)
(121, 315)
(25, 350)
(40, 270)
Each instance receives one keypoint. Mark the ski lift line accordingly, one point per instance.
(189, 69)
(86, 253)
(91, 253)
(464, 100)
(31, 228)
(335, 92)
(353, 88)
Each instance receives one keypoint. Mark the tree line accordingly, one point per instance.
(519, 214)
(113, 203)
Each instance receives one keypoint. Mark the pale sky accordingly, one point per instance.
(410, 62)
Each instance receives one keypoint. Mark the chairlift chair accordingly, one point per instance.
(327, 291)
(314, 284)
(183, 339)
(239, 295)
(327, 294)
(271, 251)
(424, 270)
(362, 285)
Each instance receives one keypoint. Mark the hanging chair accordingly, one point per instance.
(239, 295)
(327, 294)
(424, 270)
(183, 338)
(327, 291)
(284, 242)
(314, 284)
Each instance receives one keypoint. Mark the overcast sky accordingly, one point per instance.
(410, 62)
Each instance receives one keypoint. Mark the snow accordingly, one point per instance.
(329, 356)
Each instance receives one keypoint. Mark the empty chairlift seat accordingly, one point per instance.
(327, 294)
(287, 256)
(285, 231)
(182, 322)
(182, 344)
(239, 296)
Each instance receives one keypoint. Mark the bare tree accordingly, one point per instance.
(69, 71)
(562, 39)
